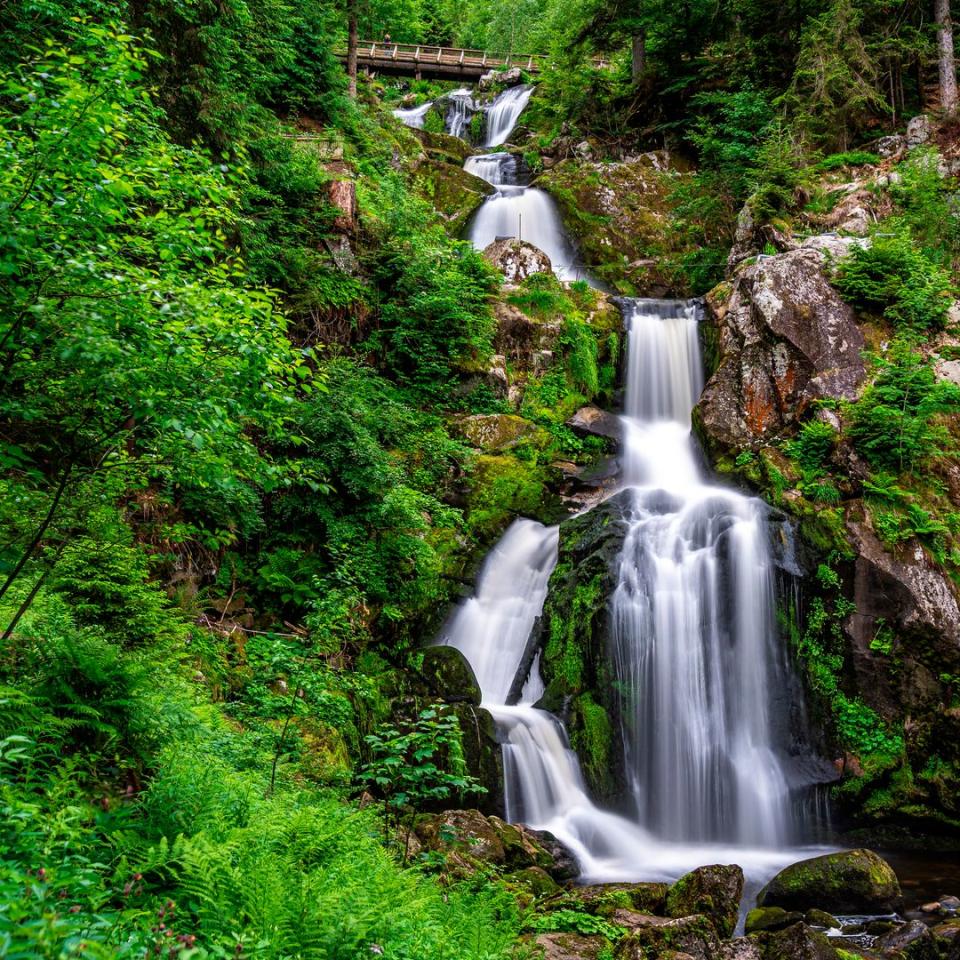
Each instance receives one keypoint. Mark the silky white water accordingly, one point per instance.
(503, 113)
(415, 116)
(693, 639)
(695, 647)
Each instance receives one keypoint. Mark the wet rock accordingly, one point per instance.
(452, 192)
(918, 131)
(497, 431)
(517, 259)
(714, 891)
(591, 420)
(820, 918)
(913, 941)
(771, 918)
(785, 339)
(877, 928)
(503, 78)
(946, 932)
(563, 865)
(522, 847)
(851, 881)
(798, 942)
(930, 907)
(694, 936)
(449, 675)
(949, 905)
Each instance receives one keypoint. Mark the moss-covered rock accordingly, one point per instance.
(797, 942)
(852, 881)
(621, 216)
(495, 432)
(771, 918)
(604, 899)
(573, 636)
(449, 675)
(912, 941)
(714, 891)
(693, 936)
(570, 946)
(453, 192)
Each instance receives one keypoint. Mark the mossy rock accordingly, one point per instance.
(449, 675)
(714, 891)
(694, 936)
(454, 193)
(533, 880)
(771, 918)
(912, 941)
(569, 946)
(604, 899)
(820, 918)
(495, 432)
(851, 881)
(797, 942)
(442, 146)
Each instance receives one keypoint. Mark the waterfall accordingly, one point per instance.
(516, 210)
(415, 116)
(694, 639)
(460, 108)
(503, 113)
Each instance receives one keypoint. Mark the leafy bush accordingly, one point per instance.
(852, 158)
(895, 424)
(894, 277)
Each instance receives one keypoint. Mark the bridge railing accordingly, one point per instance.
(424, 53)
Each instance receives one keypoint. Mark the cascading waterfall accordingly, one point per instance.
(415, 116)
(694, 639)
(460, 109)
(503, 113)
(694, 643)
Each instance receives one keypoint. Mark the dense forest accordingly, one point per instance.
(265, 409)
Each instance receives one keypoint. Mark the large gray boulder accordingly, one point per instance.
(517, 259)
(785, 339)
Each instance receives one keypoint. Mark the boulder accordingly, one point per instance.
(563, 864)
(517, 259)
(743, 948)
(851, 881)
(502, 78)
(820, 918)
(947, 932)
(785, 339)
(449, 675)
(536, 880)
(693, 936)
(771, 918)
(909, 591)
(462, 831)
(798, 942)
(604, 899)
(496, 431)
(452, 192)
(714, 891)
(918, 131)
(592, 421)
(891, 148)
(912, 941)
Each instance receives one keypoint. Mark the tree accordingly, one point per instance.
(948, 70)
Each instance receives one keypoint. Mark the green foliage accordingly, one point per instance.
(418, 763)
(850, 158)
(813, 447)
(895, 423)
(892, 276)
(575, 921)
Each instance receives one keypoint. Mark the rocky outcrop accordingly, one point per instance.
(453, 192)
(714, 891)
(852, 881)
(692, 937)
(592, 421)
(908, 592)
(449, 675)
(501, 78)
(498, 431)
(784, 339)
(517, 259)
(621, 215)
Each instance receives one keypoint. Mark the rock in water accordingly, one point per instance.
(517, 259)
(914, 941)
(852, 881)
(771, 918)
(714, 891)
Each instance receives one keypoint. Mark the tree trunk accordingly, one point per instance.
(639, 55)
(948, 69)
(352, 47)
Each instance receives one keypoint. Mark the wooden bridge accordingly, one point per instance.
(441, 63)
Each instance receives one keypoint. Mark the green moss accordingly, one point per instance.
(503, 487)
(592, 739)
